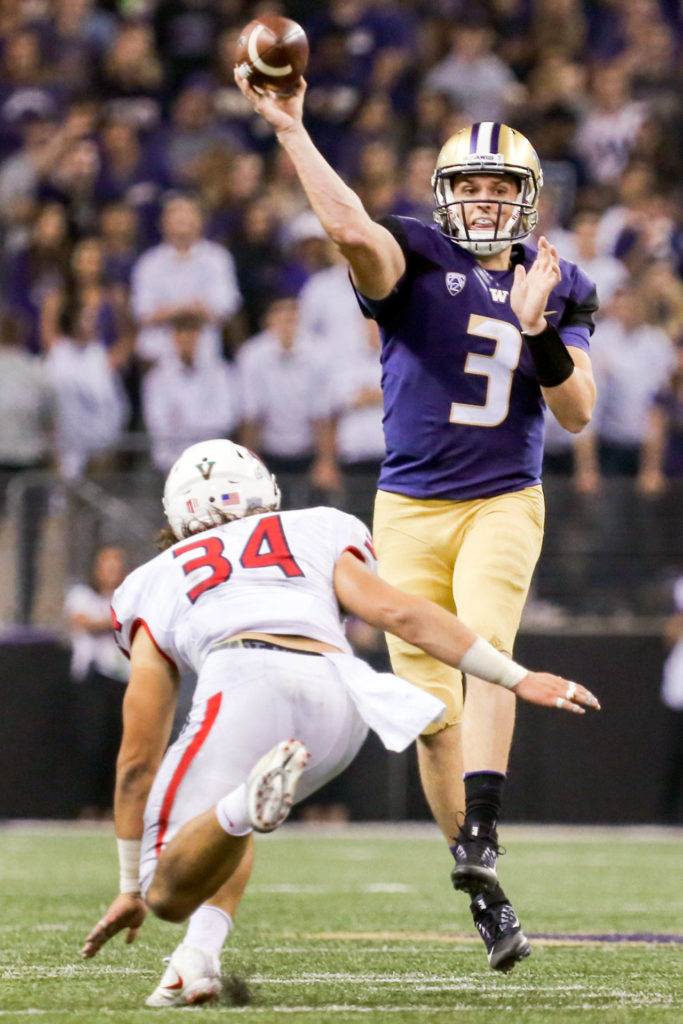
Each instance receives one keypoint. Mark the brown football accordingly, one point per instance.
(272, 53)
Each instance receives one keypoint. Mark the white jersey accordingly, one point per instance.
(270, 573)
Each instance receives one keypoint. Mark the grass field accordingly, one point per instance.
(360, 924)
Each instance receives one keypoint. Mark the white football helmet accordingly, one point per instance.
(487, 148)
(215, 479)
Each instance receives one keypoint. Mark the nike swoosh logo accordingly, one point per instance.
(178, 984)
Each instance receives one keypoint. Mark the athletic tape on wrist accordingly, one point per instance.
(129, 864)
(485, 662)
(552, 361)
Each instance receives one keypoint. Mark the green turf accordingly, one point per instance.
(360, 925)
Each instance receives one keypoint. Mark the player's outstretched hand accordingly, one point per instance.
(281, 112)
(127, 911)
(555, 692)
(530, 291)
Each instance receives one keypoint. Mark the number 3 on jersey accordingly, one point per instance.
(498, 367)
(267, 546)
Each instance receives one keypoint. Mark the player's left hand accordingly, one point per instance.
(555, 692)
(127, 911)
(530, 291)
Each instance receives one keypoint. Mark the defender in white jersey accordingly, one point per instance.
(249, 598)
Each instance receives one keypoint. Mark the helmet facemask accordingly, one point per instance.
(450, 217)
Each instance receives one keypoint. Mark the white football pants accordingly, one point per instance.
(245, 702)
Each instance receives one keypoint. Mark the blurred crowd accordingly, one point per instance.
(162, 275)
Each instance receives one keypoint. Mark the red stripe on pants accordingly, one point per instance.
(212, 708)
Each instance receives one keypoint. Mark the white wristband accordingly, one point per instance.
(485, 662)
(129, 864)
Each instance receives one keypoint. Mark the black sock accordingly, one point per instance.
(494, 897)
(483, 799)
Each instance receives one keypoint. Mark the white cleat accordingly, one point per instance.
(193, 976)
(272, 783)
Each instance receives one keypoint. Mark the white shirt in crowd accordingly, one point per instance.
(27, 408)
(360, 434)
(92, 408)
(286, 391)
(629, 368)
(608, 273)
(93, 650)
(184, 404)
(330, 315)
(165, 278)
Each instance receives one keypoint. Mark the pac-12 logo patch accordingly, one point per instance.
(455, 282)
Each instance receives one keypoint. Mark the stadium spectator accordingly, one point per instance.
(335, 90)
(374, 121)
(283, 186)
(609, 127)
(359, 437)
(185, 32)
(38, 270)
(27, 421)
(632, 360)
(663, 292)
(132, 173)
(193, 132)
(286, 391)
(243, 182)
(129, 81)
(75, 40)
(26, 87)
(580, 246)
(478, 82)
(671, 800)
(185, 273)
(403, 273)
(85, 284)
(120, 234)
(377, 180)
(92, 410)
(306, 252)
(559, 24)
(20, 176)
(413, 196)
(72, 182)
(662, 447)
(256, 243)
(268, 639)
(330, 315)
(185, 399)
(99, 671)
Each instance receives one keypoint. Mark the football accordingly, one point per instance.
(272, 53)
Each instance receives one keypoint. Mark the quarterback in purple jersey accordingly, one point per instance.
(453, 364)
(479, 333)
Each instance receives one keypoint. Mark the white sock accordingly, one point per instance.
(232, 814)
(208, 928)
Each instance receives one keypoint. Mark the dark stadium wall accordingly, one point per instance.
(599, 768)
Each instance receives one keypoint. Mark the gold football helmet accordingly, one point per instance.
(487, 148)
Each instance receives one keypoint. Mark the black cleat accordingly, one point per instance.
(476, 852)
(501, 931)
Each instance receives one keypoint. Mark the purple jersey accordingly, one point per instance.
(463, 411)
